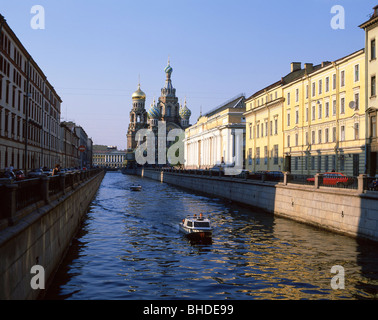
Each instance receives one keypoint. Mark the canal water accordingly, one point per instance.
(129, 247)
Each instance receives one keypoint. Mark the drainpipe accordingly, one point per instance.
(367, 138)
(337, 116)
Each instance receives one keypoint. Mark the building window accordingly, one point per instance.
(373, 128)
(320, 86)
(320, 136)
(275, 126)
(250, 131)
(334, 107)
(288, 98)
(307, 91)
(334, 82)
(313, 89)
(327, 109)
(356, 73)
(271, 127)
(313, 113)
(327, 84)
(296, 163)
(296, 116)
(296, 95)
(334, 134)
(306, 137)
(266, 128)
(319, 163)
(373, 50)
(258, 131)
(326, 163)
(342, 105)
(312, 137)
(342, 133)
(342, 163)
(262, 130)
(258, 155)
(275, 154)
(288, 118)
(373, 86)
(326, 135)
(342, 78)
(250, 156)
(313, 163)
(320, 110)
(288, 141)
(296, 140)
(265, 155)
(356, 101)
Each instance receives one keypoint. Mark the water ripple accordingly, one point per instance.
(129, 247)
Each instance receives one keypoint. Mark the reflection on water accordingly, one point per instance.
(129, 247)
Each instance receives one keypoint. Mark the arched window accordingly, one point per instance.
(168, 111)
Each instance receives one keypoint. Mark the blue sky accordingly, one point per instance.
(93, 52)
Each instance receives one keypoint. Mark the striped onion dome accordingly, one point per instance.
(154, 112)
(168, 68)
(185, 113)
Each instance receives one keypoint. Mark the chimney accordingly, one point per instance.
(325, 63)
(308, 67)
(375, 13)
(295, 66)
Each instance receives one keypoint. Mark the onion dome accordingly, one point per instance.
(184, 112)
(168, 69)
(139, 94)
(154, 112)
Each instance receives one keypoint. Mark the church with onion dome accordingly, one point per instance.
(166, 109)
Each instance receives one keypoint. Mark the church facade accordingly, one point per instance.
(167, 111)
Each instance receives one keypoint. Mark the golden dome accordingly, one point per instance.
(139, 94)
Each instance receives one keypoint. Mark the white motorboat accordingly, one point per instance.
(135, 187)
(197, 227)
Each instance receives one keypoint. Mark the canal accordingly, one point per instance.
(129, 247)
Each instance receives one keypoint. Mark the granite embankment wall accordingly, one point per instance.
(346, 211)
(40, 234)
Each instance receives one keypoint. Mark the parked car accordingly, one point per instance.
(19, 175)
(47, 172)
(35, 173)
(334, 179)
(216, 168)
(7, 177)
(274, 175)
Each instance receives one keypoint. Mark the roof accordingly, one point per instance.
(373, 19)
(233, 103)
(297, 74)
(3, 23)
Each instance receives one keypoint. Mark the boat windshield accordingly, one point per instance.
(202, 224)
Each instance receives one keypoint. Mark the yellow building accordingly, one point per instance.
(263, 141)
(265, 118)
(324, 118)
(213, 139)
(370, 95)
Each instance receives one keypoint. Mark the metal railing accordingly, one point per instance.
(360, 183)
